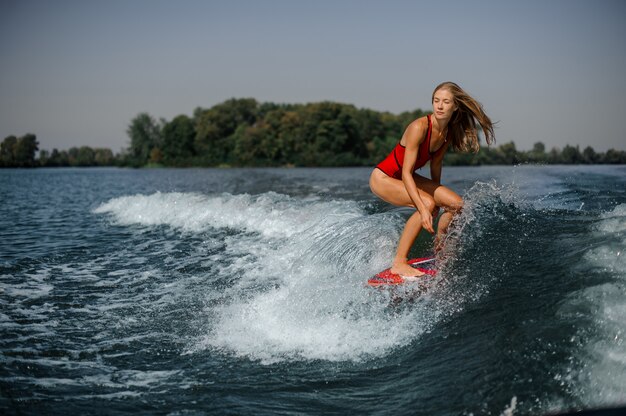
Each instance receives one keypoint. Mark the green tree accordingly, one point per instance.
(178, 141)
(255, 146)
(72, 156)
(59, 158)
(290, 133)
(44, 157)
(589, 155)
(507, 154)
(144, 133)
(156, 156)
(613, 156)
(538, 154)
(330, 135)
(85, 156)
(215, 126)
(103, 157)
(554, 156)
(7, 151)
(49, 159)
(25, 150)
(571, 155)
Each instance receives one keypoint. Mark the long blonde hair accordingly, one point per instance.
(464, 123)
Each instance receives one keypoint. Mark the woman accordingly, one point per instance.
(454, 122)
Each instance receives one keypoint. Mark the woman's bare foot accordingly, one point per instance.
(404, 270)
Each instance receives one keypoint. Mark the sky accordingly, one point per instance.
(77, 72)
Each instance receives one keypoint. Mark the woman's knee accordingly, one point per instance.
(452, 203)
(456, 205)
(429, 203)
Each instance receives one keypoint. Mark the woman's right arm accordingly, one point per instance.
(413, 137)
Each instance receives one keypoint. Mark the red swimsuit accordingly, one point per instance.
(392, 164)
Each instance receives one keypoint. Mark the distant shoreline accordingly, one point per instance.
(111, 167)
(246, 133)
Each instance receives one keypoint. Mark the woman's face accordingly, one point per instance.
(443, 104)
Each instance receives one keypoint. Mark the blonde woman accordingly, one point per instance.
(454, 122)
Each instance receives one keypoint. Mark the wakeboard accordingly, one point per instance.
(385, 278)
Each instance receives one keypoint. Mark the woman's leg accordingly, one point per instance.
(443, 197)
(411, 230)
(393, 191)
(452, 205)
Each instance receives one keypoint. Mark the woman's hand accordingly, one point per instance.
(427, 221)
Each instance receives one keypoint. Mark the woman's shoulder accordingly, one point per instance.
(419, 123)
(417, 128)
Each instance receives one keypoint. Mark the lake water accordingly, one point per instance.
(242, 291)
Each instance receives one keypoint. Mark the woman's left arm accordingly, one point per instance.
(436, 163)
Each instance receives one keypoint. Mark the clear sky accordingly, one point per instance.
(76, 72)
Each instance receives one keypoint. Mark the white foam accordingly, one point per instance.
(296, 270)
(270, 214)
(310, 312)
(34, 286)
(300, 266)
(613, 221)
(289, 324)
(117, 380)
(510, 409)
(144, 378)
(611, 254)
(602, 380)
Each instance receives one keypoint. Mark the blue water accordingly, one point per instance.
(241, 291)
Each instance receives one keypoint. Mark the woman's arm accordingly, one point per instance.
(414, 135)
(436, 163)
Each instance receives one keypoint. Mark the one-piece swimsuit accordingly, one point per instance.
(392, 164)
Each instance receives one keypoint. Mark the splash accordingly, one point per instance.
(270, 214)
(297, 269)
(296, 272)
(603, 351)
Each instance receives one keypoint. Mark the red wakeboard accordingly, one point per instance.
(386, 278)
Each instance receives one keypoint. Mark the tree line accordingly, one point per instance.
(244, 132)
(22, 153)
